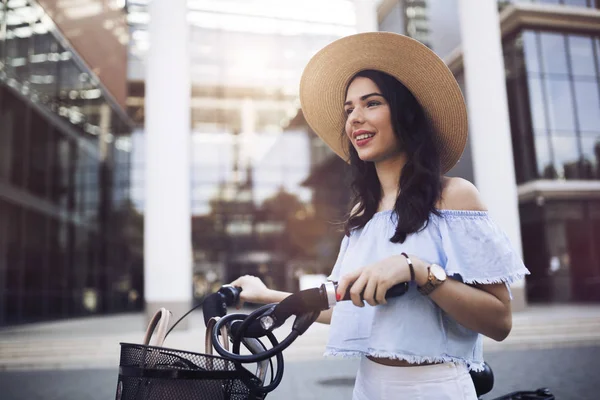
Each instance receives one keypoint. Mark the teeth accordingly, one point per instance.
(364, 136)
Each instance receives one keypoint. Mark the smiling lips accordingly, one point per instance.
(362, 137)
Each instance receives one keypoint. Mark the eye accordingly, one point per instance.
(349, 111)
(373, 103)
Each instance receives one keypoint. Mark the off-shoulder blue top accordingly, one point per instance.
(467, 244)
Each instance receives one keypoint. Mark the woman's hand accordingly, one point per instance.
(253, 290)
(374, 280)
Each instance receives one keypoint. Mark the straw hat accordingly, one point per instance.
(328, 73)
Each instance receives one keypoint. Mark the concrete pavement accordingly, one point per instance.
(570, 373)
(94, 342)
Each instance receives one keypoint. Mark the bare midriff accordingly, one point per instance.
(396, 363)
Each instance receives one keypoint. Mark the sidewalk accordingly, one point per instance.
(94, 342)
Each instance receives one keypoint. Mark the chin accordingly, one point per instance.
(376, 156)
(369, 157)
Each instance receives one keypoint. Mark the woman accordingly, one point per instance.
(404, 124)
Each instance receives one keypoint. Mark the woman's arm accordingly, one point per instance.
(255, 291)
(275, 296)
(483, 308)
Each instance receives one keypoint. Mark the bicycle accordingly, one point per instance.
(150, 372)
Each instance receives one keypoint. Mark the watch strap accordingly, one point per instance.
(431, 284)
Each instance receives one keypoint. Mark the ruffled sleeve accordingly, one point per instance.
(335, 273)
(477, 249)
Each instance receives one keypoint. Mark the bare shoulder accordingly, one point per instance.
(460, 194)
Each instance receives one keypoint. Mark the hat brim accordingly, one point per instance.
(327, 75)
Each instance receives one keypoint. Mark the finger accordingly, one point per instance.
(345, 282)
(239, 281)
(356, 290)
(381, 290)
(369, 292)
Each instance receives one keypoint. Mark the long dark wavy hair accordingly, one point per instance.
(421, 179)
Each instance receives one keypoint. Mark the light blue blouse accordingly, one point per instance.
(467, 244)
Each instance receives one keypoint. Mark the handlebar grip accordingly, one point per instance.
(215, 305)
(395, 291)
(230, 294)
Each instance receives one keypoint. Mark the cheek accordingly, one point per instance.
(385, 125)
(348, 129)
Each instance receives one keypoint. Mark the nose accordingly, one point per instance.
(356, 117)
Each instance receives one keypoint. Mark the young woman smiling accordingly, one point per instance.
(403, 124)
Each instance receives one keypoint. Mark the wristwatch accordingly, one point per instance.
(435, 277)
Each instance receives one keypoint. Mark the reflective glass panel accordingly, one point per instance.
(43, 60)
(565, 146)
(582, 56)
(590, 143)
(61, 156)
(38, 173)
(576, 3)
(560, 104)
(18, 41)
(536, 104)
(554, 56)
(543, 157)
(530, 51)
(588, 105)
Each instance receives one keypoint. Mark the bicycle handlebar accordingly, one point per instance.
(273, 316)
(306, 305)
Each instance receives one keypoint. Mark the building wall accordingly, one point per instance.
(552, 80)
(553, 87)
(98, 32)
(67, 232)
(250, 212)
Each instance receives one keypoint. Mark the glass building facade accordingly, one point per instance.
(574, 3)
(251, 212)
(554, 79)
(69, 243)
(552, 64)
(553, 87)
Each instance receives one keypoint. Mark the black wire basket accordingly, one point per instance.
(158, 373)
(153, 372)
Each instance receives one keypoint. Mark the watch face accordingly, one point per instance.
(438, 272)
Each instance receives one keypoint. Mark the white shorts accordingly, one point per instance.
(446, 381)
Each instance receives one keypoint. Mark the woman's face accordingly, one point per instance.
(368, 123)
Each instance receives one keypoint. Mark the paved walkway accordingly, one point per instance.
(94, 342)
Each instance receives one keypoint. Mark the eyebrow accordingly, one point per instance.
(363, 98)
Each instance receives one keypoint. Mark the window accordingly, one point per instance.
(13, 243)
(58, 265)
(530, 50)
(560, 104)
(581, 56)
(554, 55)
(43, 59)
(53, 251)
(35, 267)
(61, 167)
(17, 43)
(14, 116)
(536, 104)
(37, 178)
(564, 103)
